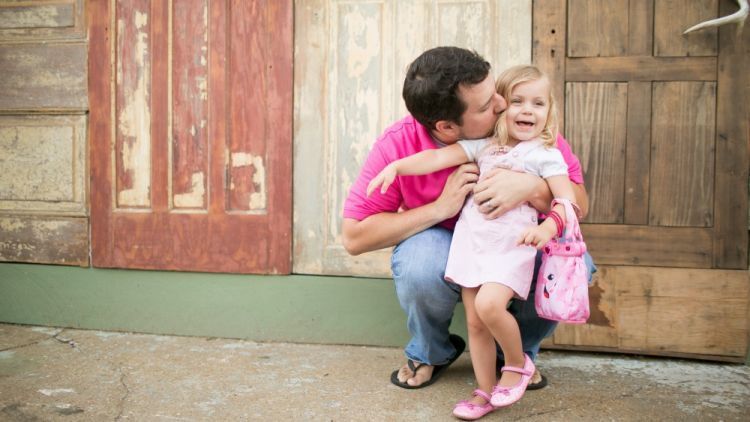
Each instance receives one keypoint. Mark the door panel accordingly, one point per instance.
(597, 134)
(350, 63)
(682, 161)
(198, 176)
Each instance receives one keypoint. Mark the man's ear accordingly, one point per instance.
(447, 129)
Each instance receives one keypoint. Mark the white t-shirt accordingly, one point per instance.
(541, 161)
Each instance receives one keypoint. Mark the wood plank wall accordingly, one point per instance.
(659, 121)
(43, 105)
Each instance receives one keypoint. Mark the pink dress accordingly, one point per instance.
(485, 251)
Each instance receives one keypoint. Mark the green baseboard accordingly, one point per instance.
(295, 308)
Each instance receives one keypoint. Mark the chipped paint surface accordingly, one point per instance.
(349, 67)
(194, 198)
(37, 163)
(37, 16)
(134, 115)
(57, 240)
(43, 75)
(258, 197)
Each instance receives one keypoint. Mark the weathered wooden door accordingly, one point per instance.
(660, 122)
(190, 133)
(43, 105)
(350, 62)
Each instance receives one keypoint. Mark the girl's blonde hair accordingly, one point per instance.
(505, 84)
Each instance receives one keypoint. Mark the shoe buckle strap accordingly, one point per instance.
(482, 394)
(516, 370)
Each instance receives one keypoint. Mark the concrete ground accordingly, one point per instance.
(74, 375)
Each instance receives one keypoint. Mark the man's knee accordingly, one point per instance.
(421, 258)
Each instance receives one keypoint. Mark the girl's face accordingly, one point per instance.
(528, 107)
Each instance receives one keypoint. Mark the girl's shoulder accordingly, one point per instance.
(476, 147)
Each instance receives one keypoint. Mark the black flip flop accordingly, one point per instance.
(539, 385)
(460, 346)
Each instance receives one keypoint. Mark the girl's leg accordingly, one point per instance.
(491, 306)
(481, 345)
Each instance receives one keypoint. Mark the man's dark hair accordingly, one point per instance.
(432, 81)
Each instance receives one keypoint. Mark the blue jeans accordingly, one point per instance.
(418, 266)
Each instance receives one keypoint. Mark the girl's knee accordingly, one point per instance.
(489, 307)
(475, 326)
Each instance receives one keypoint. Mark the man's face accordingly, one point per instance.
(483, 106)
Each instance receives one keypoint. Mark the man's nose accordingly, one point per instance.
(500, 102)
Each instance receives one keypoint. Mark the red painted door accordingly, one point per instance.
(190, 134)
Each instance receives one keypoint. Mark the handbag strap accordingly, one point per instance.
(572, 230)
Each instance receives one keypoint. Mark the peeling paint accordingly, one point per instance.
(38, 161)
(52, 16)
(363, 42)
(194, 198)
(257, 198)
(202, 86)
(11, 225)
(141, 20)
(134, 121)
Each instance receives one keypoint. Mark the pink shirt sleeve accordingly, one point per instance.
(574, 166)
(358, 205)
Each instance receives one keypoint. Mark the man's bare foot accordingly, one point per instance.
(424, 373)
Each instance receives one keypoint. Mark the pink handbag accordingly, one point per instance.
(562, 290)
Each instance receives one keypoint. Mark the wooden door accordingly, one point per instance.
(350, 62)
(190, 134)
(660, 122)
(43, 106)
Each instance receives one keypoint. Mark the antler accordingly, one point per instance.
(737, 17)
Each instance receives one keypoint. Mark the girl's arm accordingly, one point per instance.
(424, 162)
(538, 236)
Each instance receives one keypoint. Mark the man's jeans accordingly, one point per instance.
(418, 265)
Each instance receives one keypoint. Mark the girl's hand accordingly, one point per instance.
(384, 178)
(538, 236)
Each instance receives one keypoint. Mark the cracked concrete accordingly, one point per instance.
(49, 374)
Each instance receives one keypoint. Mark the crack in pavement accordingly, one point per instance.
(121, 404)
(55, 336)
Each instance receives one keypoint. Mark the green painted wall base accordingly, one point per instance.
(296, 308)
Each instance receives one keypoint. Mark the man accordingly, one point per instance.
(451, 95)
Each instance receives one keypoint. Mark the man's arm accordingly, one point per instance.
(582, 199)
(502, 190)
(389, 228)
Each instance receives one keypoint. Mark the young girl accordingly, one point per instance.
(493, 260)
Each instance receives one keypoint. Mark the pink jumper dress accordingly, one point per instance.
(485, 251)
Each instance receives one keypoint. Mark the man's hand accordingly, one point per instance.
(501, 190)
(459, 184)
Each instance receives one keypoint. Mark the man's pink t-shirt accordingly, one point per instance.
(404, 138)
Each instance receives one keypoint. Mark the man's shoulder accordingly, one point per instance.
(406, 128)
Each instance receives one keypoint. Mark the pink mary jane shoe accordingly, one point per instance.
(469, 411)
(505, 396)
